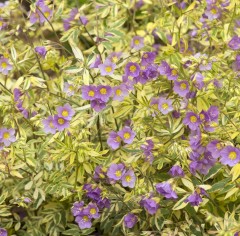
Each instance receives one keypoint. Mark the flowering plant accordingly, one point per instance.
(119, 117)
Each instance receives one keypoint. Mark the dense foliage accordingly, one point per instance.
(119, 117)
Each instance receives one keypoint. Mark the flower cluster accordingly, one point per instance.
(118, 172)
(60, 121)
(195, 199)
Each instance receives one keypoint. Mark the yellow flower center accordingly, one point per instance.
(70, 88)
(128, 178)
(118, 92)
(118, 139)
(219, 146)
(165, 106)
(126, 135)
(174, 72)
(93, 211)
(6, 135)
(108, 69)
(193, 119)
(118, 173)
(51, 124)
(183, 86)
(65, 113)
(85, 218)
(60, 121)
(1, 23)
(143, 68)
(47, 14)
(214, 11)
(136, 42)
(232, 155)
(145, 55)
(132, 68)
(91, 93)
(101, 176)
(103, 91)
(4, 65)
(198, 190)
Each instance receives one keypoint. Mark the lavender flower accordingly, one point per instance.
(119, 92)
(215, 147)
(181, 88)
(194, 199)
(96, 63)
(114, 57)
(98, 104)
(128, 179)
(166, 190)
(213, 12)
(137, 42)
(148, 57)
(191, 120)
(17, 94)
(89, 92)
(104, 92)
(3, 232)
(5, 66)
(60, 123)
(116, 171)
(66, 112)
(66, 22)
(77, 208)
(49, 126)
(107, 68)
(84, 220)
(68, 89)
(93, 211)
(127, 135)
(176, 171)
(172, 74)
(114, 140)
(41, 51)
(99, 173)
(234, 43)
(132, 69)
(230, 156)
(147, 150)
(83, 20)
(164, 68)
(165, 105)
(150, 205)
(130, 220)
(7, 136)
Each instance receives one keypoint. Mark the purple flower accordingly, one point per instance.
(147, 150)
(119, 92)
(215, 147)
(93, 210)
(128, 179)
(176, 171)
(98, 105)
(195, 138)
(164, 68)
(150, 205)
(77, 208)
(41, 51)
(148, 57)
(165, 105)
(99, 173)
(84, 220)
(48, 125)
(68, 89)
(132, 69)
(213, 113)
(96, 63)
(237, 234)
(198, 80)
(137, 42)
(234, 43)
(213, 12)
(107, 68)
(60, 123)
(103, 92)
(116, 171)
(94, 193)
(172, 74)
(66, 112)
(191, 120)
(83, 20)
(127, 135)
(89, 92)
(3, 232)
(7, 136)
(5, 67)
(166, 190)
(181, 88)
(17, 94)
(152, 71)
(2, 24)
(114, 140)
(194, 199)
(103, 203)
(114, 57)
(205, 65)
(66, 22)
(130, 220)
(217, 83)
(236, 64)
(230, 156)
